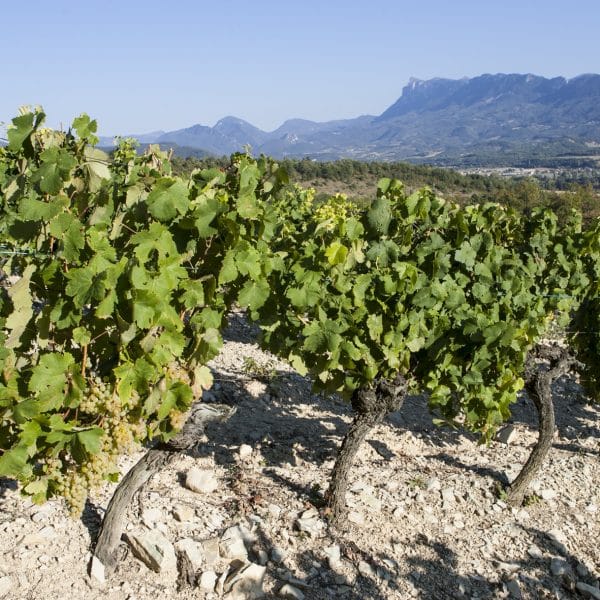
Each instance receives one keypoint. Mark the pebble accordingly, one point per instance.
(41, 513)
(245, 451)
(333, 554)
(97, 571)
(391, 485)
(371, 501)
(245, 581)
(310, 522)
(398, 512)
(300, 583)
(365, 569)
(154, 550)
(582, 570)
(151, 516)
(513, 588)
(431, 518)
(193, 550)
(507, 435)
(587, 590)
(360, 486)
(548, 495)
(208, 580)
(433, 485)
(183, 512)
(44, 535)
(557, 537)
(210, 549)
(232, 544)
(559, 567)
(277, 554)
(356, 518)
(291, 592)
(448, 497)
(390, 563)
(6, 585)
(535, 552)
(202, 481)
(509, 567)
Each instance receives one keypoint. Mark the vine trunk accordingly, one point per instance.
(151, 463)
(371, 405)
(538, 384)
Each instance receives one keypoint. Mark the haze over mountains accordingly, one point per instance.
(439, 120)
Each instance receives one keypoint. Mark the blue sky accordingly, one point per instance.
(139, 66)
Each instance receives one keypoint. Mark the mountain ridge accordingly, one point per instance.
(433, 120)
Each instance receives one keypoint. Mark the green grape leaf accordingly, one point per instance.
(466, 254)
(22, 127)
(168, 199)
(55, 169)
(49, 377)
(90, 439)
(206, 209)
(19, 319)
(32, 209)
(96, 168)
(254, 294)
(229, 271)
(13, 462)
(336, 253)
(203, 380)
(86, 128)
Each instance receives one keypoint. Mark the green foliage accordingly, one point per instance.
(116, 279)
(584, 334)
(452, 298)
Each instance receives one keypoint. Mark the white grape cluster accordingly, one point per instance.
(333, 213)
(123, 431)
(75, 485)
(122, 435)
(98, 391)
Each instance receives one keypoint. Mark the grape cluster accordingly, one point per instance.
(333, 213)
(123, 431)
(177, 418)
(98, 392)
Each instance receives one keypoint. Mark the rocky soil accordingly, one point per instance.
(237, 518)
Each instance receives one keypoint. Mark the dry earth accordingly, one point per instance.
(424, 519)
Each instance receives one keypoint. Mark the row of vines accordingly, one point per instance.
(116, 278)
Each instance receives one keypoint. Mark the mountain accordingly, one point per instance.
(489, 118)
(228, 135)
(142, 138)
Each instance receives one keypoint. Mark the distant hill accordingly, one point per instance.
(489, 119)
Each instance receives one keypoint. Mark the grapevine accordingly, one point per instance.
(116, 280)
(417, 294)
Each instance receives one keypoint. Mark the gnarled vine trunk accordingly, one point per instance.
(538, 384)
(371, 405)
(151, 463)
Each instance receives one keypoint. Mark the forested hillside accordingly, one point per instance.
(567, 189)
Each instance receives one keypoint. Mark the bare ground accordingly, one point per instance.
(425, 521)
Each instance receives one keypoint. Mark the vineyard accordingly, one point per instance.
(120, 280)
